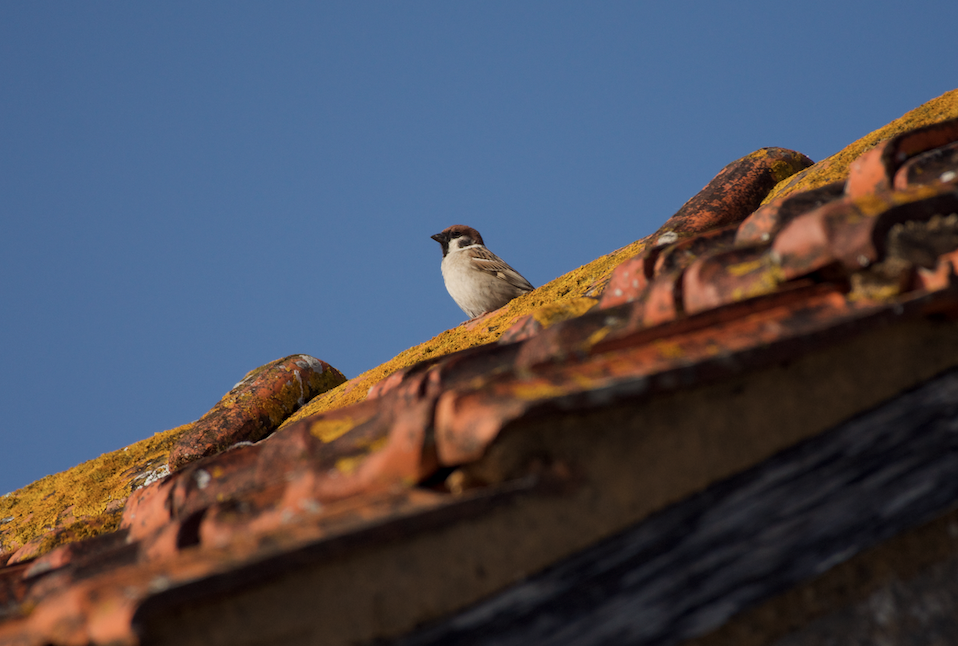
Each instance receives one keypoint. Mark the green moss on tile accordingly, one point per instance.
(835, 168)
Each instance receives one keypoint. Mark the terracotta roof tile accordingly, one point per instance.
(769, 219)
(729, 276)
(725, 289)
(875, 170)
(736, 191)
(256, 406)
(851, 232)
(937, 165)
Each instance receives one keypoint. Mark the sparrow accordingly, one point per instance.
(477, 279)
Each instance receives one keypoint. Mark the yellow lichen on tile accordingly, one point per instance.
(289, 397)
(564, 297)
(327, 430)
(747, 267)
(782, 170)
(769, 282)
(597, 336)
(76, 531)
(669, 349)
(835, 168)
(549, 315)
(348, 465)
(375, 444)
(92, 492)
(535, 390)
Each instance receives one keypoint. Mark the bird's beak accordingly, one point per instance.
(439, 237)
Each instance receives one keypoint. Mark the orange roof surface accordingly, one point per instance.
(774, 260)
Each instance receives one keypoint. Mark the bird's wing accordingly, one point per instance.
(493, 264)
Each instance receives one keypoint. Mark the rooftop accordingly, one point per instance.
(773, 325)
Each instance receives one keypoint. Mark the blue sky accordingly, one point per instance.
(190, 190)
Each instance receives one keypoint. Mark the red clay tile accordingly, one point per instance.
(736, 191)
(402, 376)
(147, 509)
(789, 297)
(919, 204)
(164, 543)
(76, 552)
(451, 368)
(851, 232)
(870, 173)
(934, 166)
(224, 522)
(13, 588)
(466, 425)
(476, 363)
(256, 406)
(386, 451)
(630, 279)
(525, 327)
(191, 490)
(762, 225)
(942, 276)
(875, 169)
(368, 447)
(391, 452)
(82, 613)
(803, 246)
(684, 252)
(727, 277)
(663, 299)
(63, 534)
(563, 341)
(313, 494)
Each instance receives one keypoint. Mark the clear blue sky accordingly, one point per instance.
(189, 190)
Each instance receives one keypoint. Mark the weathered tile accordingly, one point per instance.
(735, 192)
(256, 406)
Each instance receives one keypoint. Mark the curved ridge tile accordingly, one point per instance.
(735, 192)
(370, 448)
(701, 225)
(256, 406)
